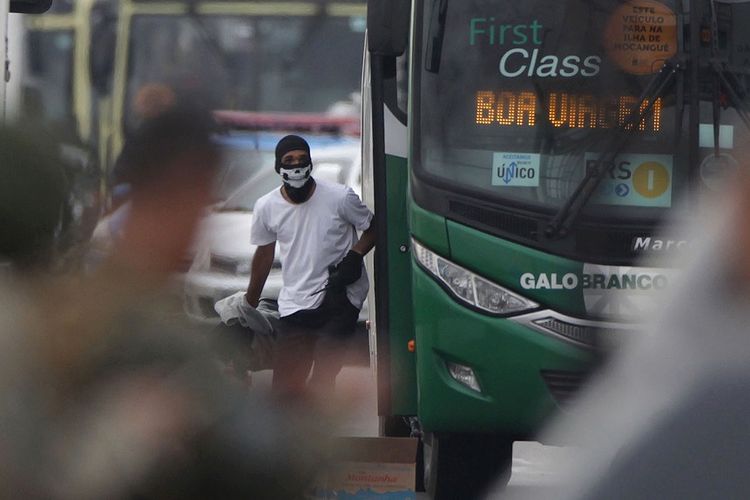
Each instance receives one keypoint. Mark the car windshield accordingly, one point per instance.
(297, 63)
(238, 166)
(331, 168)
(243, 200)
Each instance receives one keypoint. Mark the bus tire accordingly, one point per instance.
(394, 426)
(465, 465)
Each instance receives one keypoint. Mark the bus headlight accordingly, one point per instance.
(470, 288)
(457, 279)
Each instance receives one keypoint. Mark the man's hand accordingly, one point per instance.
(346, 272)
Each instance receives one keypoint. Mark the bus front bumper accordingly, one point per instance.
(519, 373)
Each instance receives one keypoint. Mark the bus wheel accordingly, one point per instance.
(465, 465)
(394, 426)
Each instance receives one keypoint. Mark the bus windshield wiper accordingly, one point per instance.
(563, 220)
(723, 77)
(435, 35)
(731, 84)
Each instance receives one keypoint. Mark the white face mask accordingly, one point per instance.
(297, 176)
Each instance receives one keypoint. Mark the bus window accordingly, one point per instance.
(255, 63)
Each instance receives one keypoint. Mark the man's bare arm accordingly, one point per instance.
(261, 266)
(367, 240)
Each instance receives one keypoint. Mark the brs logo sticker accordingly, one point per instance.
(633, 180)
(515, 169)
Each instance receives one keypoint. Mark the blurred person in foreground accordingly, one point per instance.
(667, 418)
(33, 205)
(151, 100)
(100, 396)
(315, 223)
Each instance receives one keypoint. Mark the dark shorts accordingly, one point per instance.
(314, 339)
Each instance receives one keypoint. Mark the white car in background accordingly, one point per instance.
(218, 263)
(223, 252)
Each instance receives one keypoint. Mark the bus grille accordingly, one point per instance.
(606, 241)
(563, 385)
(602, 241)
(586, 335)
(525, 227)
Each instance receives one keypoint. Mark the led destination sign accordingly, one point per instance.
(563, 109)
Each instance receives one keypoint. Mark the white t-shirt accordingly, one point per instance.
(312, 236)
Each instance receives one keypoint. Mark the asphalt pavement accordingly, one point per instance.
(533, 463)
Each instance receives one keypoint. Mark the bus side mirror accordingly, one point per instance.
(388, 26)
(30, 6)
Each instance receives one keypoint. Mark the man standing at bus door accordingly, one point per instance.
(315, 223)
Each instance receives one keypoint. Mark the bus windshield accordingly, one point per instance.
(304, 63)
(519, 102)
(49, 81)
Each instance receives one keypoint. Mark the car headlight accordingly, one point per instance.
(235, 265)
(230, 265)
(470, 288)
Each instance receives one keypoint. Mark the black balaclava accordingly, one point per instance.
(297, 180)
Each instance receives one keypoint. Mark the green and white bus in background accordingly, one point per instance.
(521, 158)
(56, 87)
(12, 34)
(248, 55)
(55, 97)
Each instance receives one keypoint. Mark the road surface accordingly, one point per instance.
(533, 463)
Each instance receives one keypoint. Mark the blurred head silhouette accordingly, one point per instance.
(33, 200)
(170, 162)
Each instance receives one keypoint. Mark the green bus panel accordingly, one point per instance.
(403, 385)
(506, 357)
(429, 229)
(505, 262)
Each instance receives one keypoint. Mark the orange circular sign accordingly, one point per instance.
(640, 36)
(651, 179)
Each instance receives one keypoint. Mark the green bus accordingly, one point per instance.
(521, 157)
